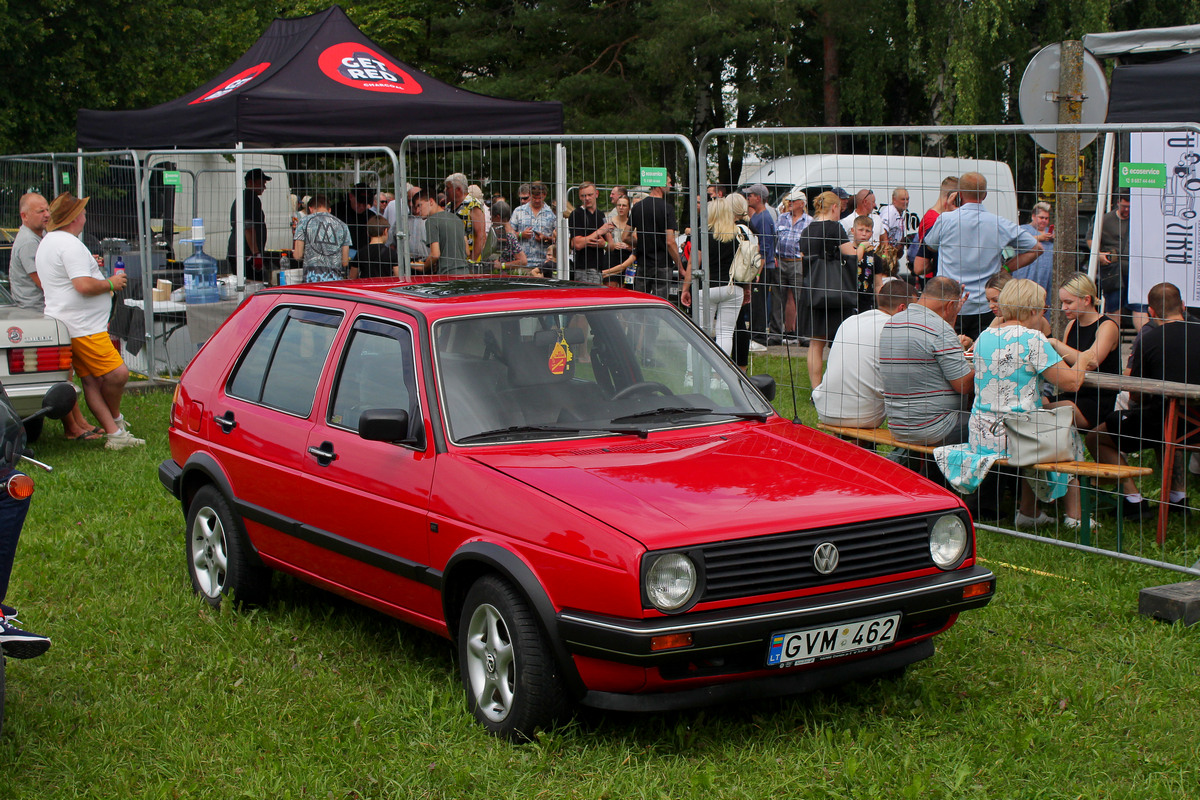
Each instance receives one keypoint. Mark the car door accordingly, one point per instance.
(368, 499)
(261, 424)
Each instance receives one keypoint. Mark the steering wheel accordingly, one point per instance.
(642, 387)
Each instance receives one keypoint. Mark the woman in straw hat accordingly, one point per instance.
(79, 295)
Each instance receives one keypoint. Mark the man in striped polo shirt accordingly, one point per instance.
(927, 380)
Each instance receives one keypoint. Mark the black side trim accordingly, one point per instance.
(806, 680)
(342, 546)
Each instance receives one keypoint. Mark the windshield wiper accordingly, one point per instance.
(515, 429)
(692, 411)
(665, 411)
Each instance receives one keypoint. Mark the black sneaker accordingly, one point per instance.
(1138, 511)
(17, 643)
(7, 611)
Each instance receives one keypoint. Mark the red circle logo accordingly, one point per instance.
(233, 84)
(355, 64)
(15, 334)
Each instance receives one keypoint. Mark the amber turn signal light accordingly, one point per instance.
(977, 590)
(19, 486)
(671, 641)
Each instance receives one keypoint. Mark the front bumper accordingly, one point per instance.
(926, 605)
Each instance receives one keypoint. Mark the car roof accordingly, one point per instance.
(447, 296)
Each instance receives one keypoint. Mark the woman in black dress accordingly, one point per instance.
(826, 239)
(1087, 330)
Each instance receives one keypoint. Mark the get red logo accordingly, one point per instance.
(15, 334)
(355, 64)
(234, 83)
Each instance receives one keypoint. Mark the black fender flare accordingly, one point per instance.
(201, 469)
(474, 558)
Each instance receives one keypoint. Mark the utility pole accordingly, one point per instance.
(1067, 178)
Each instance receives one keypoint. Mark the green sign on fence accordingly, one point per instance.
(171, 178)
(654, 176)
(1142, 176)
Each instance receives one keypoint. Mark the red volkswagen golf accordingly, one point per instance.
(572, 483)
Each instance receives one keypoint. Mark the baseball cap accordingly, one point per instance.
(257, 174)
(842, 193)
(794, 194)
(758, 189)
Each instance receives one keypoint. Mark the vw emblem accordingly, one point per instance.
(825, 558)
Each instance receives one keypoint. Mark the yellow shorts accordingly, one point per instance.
(95, 355)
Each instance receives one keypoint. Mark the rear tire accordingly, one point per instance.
(218, 554)
(509, 674)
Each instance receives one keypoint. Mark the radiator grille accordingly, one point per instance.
(783, 562)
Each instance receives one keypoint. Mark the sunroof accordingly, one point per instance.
(469, 286)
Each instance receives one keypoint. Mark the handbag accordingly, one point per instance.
(830, 283)
(1042, 436)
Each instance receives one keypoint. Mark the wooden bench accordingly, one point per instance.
(1086, 471)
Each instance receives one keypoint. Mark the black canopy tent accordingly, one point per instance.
(315, 80)
(1163, 91)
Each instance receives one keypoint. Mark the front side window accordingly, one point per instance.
(377, 372)
(283, 364)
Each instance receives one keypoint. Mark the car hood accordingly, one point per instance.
(743, 479)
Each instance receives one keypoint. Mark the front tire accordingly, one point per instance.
(509, 674)
(218, 556)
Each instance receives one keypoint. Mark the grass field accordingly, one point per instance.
(1058, 689)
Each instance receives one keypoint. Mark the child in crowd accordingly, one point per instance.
(872, 269)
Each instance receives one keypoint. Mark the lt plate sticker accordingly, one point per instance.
(818, 644)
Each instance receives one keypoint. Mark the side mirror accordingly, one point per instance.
(385, 425)
(59, 400)
(765, 384)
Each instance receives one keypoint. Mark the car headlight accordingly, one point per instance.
(670, 581)
(948, 540)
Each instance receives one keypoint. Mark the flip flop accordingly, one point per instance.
(87, 436)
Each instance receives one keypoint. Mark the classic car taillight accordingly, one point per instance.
(38, 359)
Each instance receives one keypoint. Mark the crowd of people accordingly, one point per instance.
(947, 368)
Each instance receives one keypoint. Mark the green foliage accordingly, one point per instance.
(618, 66)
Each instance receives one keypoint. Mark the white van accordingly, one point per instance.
(922, 176)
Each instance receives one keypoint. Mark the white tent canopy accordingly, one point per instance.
(1184, 38)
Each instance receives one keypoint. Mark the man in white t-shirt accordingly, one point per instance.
(78, 294)
(865, 206)
(851, 393)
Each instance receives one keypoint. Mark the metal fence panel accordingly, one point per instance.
(874, 164)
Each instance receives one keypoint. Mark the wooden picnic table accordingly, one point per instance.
(1175, 436)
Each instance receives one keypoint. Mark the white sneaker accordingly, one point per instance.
(1032, 522)
(122, 439)
(756, 347)
(1074, 524)
(122, 423)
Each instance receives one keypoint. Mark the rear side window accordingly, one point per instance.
(283, 364)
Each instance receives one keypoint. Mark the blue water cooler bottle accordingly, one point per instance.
(199, 270)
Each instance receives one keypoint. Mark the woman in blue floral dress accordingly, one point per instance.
(1012, 363)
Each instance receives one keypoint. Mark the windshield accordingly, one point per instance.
(584, 372)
